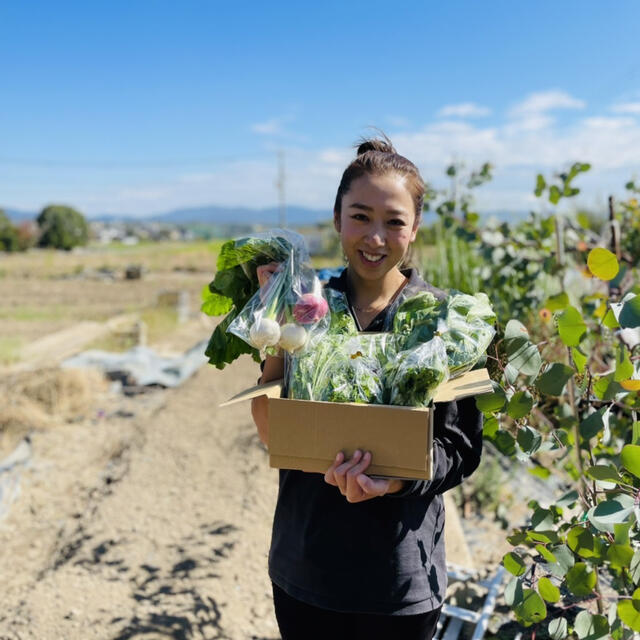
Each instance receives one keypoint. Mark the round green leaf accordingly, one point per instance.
(619, 555)
(579, 358)
(532, 608)
(557, 302)
(552, 381)
(529, 440)
(605, 515)
(590, 627)
(630, 458)
(581, 579)
(602, 264)
(558, 629)
(546, 554)
(490, 402)
(603, 472)
(513, 594)
(582, 542)
(520, 405)
(548, 590)
(504, 442)
(514, 564)
(523, 357)
(571, 327)
(629, 611)
(634, 567)
(629, 317)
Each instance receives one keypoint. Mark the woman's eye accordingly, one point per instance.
(359, 216)
(396, 222)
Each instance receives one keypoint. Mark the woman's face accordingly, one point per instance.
(377, 224)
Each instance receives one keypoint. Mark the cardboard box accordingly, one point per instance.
(306, 435)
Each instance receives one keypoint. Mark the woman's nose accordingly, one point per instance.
(377, 237)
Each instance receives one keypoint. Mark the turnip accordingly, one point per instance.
(310, 308)
(265, 332)
(292, 337)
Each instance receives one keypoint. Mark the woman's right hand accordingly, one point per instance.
(265, 271)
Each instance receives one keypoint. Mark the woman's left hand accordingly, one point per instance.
(354, 485)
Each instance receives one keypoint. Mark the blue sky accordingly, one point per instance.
(143, 106)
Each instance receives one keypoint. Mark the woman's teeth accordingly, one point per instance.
(372, 257)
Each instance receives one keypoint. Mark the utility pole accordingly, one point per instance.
(280, 184)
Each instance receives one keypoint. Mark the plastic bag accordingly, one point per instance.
(413, 375)
(280, 314)
(337, 368)
(468, 330)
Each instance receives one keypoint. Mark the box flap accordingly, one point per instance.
(270, 389)
(318, 430)
(472, 383)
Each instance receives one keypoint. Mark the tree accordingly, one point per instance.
(8, 234)
(62, 228)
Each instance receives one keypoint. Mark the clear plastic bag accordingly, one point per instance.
(281, 314)
(468, 330)
(413, 375)
(337, 368)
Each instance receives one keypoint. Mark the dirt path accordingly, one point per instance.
(154, 524)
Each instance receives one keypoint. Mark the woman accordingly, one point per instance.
(354, 556)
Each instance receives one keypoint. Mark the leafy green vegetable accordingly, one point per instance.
(413, 375)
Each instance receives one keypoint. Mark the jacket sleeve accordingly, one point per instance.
(457, 448)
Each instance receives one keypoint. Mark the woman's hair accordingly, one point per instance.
(377, 156)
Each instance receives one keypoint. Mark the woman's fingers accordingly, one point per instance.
(265, 271)
(329, 476)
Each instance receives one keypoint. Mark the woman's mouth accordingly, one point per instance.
(371, 259)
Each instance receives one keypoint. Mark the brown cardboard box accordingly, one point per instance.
(305, 434)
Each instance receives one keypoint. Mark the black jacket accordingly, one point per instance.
(384, 555)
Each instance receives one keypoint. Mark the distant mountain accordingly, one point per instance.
(216, 215)
(17, 216)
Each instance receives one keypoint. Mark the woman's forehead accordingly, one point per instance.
(389, 189)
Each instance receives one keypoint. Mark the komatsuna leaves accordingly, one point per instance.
(581, 579)
(553, 380)
(571, 327)
(548, 590)
(630, 458)
(602, 263)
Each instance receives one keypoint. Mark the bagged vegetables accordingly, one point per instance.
(430, 339)
(252, 324)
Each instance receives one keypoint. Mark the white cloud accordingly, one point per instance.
(464, 110)
(543, 101)
(519, 146)
(627, 107)
(269, 127)
(398, 121)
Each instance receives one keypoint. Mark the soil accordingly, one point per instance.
(150, 516)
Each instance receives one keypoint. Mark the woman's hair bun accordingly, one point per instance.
(375, 144)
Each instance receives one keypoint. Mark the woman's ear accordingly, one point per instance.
(336, 221)
(414, 229)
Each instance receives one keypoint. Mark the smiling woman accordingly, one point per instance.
(352, 555)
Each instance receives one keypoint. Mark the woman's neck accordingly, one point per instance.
(365, 293)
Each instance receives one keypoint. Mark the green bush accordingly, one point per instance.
(62, 228)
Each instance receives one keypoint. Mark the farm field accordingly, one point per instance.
(144, 515)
